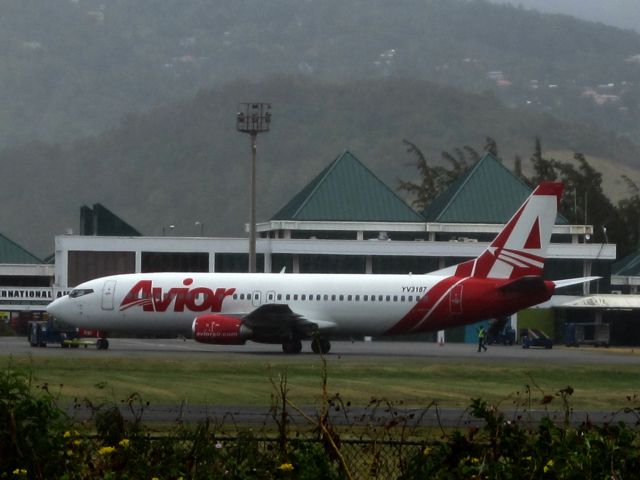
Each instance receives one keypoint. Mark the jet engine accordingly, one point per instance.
(220, 329)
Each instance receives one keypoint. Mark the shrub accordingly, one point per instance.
(37, 440)
(509, 449)
(31, 427)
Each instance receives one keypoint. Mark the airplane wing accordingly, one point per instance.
(280, 320)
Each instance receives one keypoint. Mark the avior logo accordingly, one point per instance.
(177, 299)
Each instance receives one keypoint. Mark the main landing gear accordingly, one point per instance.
(293, 346)
(318, 345)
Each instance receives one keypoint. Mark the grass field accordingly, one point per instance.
(247, 381)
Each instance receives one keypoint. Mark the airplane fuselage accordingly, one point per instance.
(169, 302)
(346, 304)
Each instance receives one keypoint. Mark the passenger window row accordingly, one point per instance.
(333, 298)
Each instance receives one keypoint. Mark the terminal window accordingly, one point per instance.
(174, 262)
(85, 265)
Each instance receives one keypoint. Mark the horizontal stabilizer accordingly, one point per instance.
(527, 284)
(573, 281)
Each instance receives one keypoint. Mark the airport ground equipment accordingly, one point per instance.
(593, 334)
(533, 337)
(500, 332)
(50, 332)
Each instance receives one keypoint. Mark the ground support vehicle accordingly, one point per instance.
(506, 336)
(532, 337)
(44, 333)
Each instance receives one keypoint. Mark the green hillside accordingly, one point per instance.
(69, 68)
(185, 162)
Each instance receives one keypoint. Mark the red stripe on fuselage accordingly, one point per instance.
(428, 304)
(477, 299)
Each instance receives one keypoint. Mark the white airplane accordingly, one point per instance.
(231, 308)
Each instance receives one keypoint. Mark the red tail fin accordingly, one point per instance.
(520, 248)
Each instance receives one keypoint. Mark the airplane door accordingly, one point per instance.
(108, 289)
(256, 299)
(455, 299)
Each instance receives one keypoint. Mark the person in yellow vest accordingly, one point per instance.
(482, 335)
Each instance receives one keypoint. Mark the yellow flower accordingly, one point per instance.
(528, 458)
(548, 466)
(67, 434)
(475, 460)
(20, 472)
(427, 451)
(69, 453)
(286, 467)
(77, 442)
(124, 443)
(106, 450)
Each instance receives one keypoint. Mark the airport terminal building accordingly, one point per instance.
(347, 220)
(25, 285)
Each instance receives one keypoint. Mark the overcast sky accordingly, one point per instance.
(619, 13)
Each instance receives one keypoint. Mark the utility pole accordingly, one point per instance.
(253, 118)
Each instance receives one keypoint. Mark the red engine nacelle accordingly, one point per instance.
(220, 329)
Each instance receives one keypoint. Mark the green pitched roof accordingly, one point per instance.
(347, 191)
(487, 193)
(11, 253)
(99, 220)
(629, 266)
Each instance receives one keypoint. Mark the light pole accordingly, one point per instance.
(253, 118)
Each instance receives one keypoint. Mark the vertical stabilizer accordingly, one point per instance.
(520, 248)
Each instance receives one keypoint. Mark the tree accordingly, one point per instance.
(542, 167)
(629, 217)
(491, 147)
(436, 179)
(517, 169)
(583, 201)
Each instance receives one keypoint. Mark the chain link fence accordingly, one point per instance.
(364, 459)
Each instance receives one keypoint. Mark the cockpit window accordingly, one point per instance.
(80, 292)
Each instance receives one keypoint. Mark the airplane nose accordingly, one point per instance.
(58, 308)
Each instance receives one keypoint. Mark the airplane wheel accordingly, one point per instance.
(102, 344)
(320, 345)
(294, 346)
